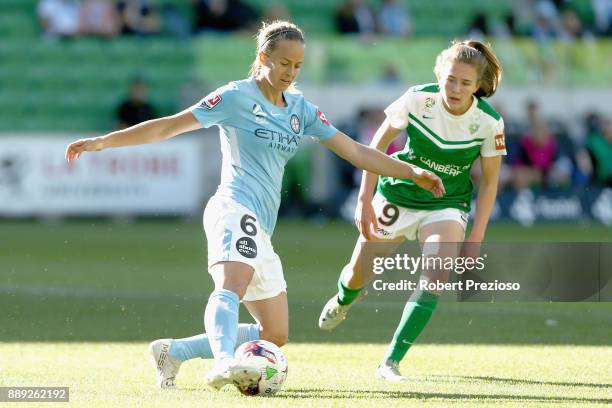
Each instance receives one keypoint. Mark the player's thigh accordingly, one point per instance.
(234, 276)
(441, 239)
(272, 314)
(233, 237)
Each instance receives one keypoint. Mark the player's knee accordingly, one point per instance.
(240, 290)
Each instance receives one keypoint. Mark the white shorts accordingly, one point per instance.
(234, 234)
(395, 221)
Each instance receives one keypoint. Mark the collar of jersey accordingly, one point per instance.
(449, 115)
(265, 100)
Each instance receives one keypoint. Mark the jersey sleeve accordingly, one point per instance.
(495, 143)
(216, 108)
(317, 124)
(397, 112)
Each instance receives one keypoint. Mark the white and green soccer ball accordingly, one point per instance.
(271, 362)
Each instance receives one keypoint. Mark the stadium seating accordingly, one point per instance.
(75, 85)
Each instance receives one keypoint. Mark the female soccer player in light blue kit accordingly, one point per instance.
(262, 123)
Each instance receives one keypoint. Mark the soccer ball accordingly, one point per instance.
(271, 362)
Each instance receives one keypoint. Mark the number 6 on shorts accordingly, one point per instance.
(247, 225)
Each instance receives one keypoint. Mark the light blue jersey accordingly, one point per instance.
(257, 140)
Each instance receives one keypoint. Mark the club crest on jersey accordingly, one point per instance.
(260, 115)
(211, 101)
(322, 118)
(430, 102)
(474, 128)
(295, 123)
(500, 142)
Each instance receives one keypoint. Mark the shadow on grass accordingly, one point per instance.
(461, 378)
(363, 394)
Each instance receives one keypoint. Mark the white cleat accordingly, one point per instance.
(334, 313)
(389, 371)
(167, 367)
(228, 372)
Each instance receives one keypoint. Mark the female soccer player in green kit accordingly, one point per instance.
(449, 126)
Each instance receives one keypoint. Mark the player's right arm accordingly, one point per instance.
(365, 217)
(146, 132)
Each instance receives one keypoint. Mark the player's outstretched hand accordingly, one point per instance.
(428, 181)
(365, 219)
(74, 149)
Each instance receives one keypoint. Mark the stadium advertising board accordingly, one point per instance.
(151, 179)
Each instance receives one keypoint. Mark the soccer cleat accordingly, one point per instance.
(167, 367)
(227, 371)
(334, 313)
(389, 371)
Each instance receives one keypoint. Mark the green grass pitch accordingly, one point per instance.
(80, 300)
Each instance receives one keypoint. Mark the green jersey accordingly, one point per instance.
(443, 143)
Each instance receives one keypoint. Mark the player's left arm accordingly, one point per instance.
(375, 161)
(487, 192)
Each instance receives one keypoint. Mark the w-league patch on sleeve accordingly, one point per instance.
(500, 142)
(322, 117)
(211, 101)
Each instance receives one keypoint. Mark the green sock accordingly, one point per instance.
(346, 295)
(416, 314)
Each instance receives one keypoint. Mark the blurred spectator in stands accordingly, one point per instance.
(223, 16)
(99, 18)
(393, 19)
(275, 12)
(507, 27)
(571, 27)
(479, 28)
(602, 11)
(482, 26)
(390, 75)
(136, 108)
(533, 113)
(599, 146)
(368, 123)
(174, 21)
(592, 123)
(355, 17)
(546, 25)
(59, 18)
(538, 161)
(139, 17)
